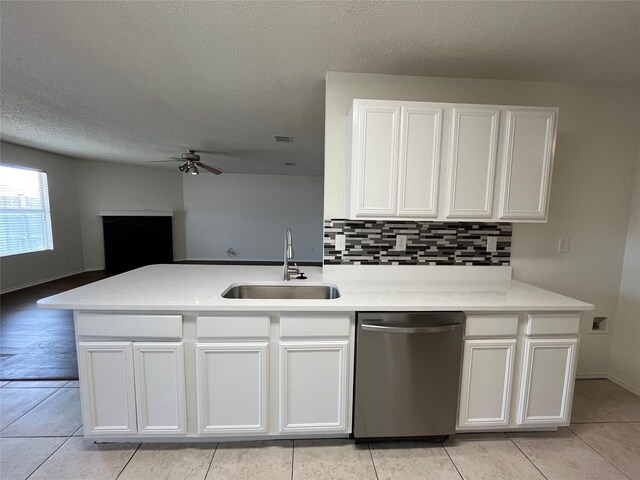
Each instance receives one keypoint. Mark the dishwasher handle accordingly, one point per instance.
(376, 327)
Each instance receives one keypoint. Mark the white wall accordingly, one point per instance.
(112, 186)
(592, 180)
(249, 213)
(624, 365)
(66, 257)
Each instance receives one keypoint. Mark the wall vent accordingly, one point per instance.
(283, 139)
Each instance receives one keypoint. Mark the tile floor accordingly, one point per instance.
(41, 439)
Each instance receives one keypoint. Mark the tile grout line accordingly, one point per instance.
(527, 457)
(597, 422)
(128, 461)
(375, 470)
(37, 404)
(598, 453)
(52, 453)
(211, 461)
(293, 456)
(451, 460)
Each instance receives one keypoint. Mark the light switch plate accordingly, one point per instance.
(563, 245)
(401, 243)
(341, 243)
(492, 244)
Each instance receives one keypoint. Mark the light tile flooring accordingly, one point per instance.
(41, 439)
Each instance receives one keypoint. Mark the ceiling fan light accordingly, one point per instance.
(184, 168)
(194, 170)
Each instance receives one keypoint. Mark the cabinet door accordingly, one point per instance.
(472, 161)
(528, 159)
(376, 159)
(232, 387)
(485, 391)
(107, 382)
(547, 383)
(160, 389)
(314, 386)
(419, 161)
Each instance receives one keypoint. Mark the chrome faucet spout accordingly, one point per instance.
(288, 255)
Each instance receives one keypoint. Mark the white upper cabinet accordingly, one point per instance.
(419, 161)
(443, 161)
(472, 161)
(376, 156)
(528, 159)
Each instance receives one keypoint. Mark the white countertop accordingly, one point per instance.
(180, 288)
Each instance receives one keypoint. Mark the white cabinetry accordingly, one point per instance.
(314, 373)
(487, 375)
(402, 161)
(132, 388)
(313, 386)
(232, 387)
(547, 382)
(419, 161)
(548, 371)
(528, 160)
(396, 159)
(232, 370)
(376, 159)
(107, 382)
(518, 371)
(487, 371)
(160, 389)
(472, 161)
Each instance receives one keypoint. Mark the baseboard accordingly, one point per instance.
(624, 384)
(592, 376)
(39, 282)
(274, 263)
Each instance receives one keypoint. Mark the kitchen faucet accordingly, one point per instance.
(288, 255)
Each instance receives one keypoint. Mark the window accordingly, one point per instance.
(25, 217)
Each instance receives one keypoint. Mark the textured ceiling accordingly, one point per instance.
(139, 81)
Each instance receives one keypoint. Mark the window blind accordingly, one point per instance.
(25, 216)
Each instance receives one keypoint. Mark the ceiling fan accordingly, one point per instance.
(191, 163)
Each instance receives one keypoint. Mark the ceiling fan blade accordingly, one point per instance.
(173, 159)
(215, 170)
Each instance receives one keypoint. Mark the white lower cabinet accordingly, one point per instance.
(485, 390)
(160, 389)
(547, 383)
(132, 388)
(232, 384)
(314, 386)
(108, 391)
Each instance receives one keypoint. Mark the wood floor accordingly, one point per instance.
(38, 344)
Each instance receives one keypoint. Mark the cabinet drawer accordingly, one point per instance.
(491, 326)
(129, 326)
(553, 324)
(314, 326)
(241, 326)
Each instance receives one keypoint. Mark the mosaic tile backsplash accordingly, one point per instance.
(372, 242)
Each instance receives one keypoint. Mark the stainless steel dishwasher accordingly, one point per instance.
(407, 374)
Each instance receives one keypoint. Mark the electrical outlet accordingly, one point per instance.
(401, 243)
(492, 244)
(341, 243)
(563, 245)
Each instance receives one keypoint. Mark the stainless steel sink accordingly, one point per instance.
(294, 292)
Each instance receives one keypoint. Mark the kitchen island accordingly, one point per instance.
(164, 357)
